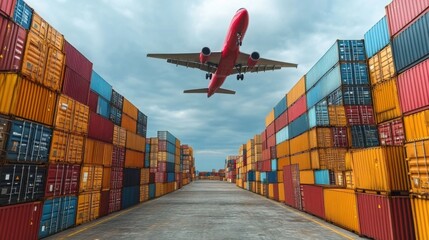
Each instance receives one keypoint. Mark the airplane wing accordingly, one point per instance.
(191, 60)
(261, 66)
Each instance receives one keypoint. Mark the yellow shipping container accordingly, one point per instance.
(66, 148)
(134, 159)
(98, 153)
(306, 176)
(341, 208)
(283, 161)
(380, 169)
(418, 166)
(281, 192)
(55, 38)
(144, 193)
(271, 191)
(91, 178)
(348, 160)
(280, 176)
(302, 159)
(420, 209)
(8, 85)
(300, 143)
(381, 67)
(386, 110)
(128, 123)
(329, 158)
(34, 59)
(257, 138)
(75, 149)
(129, 109)
(106, 178)
(55, 63)
(296, 92)
(88, 207)
(417, 126)
(269, 118)
(64, 113)
(321, 138)
(349, 179)
(119, 136)
(337, 116)
(283, 149)
(135, 142)
(80, 118)
(39, 26)
(144, 176)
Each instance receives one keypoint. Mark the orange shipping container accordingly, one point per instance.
(280, 176)
(386, 166)
(55, 38)
(386, 109)
(341, 208)
(300, 143)
(75, 149)
(88, 207)
(8, 85)
(418, 166)
(337, 116)
(129, 109)
(349, 180)
(420, 208)
(321, 138)
(39, 26)
(106, 178)
(64, 113)
(144, 176)
(55, 62)
(134, 159)
(329, 158)
(119, 136)
(381, 67)
(128, 123)
(269, 118)
(80, 118)
(306, 177)
(144, 193)
(296, 92)
(302, 159)
(91, 178)
(34, 60)
(417, 126)
(98, 153)
(135, 142)
(283, 161)
(257, 139)
(281, 192)
(283, 149)
(66, 148)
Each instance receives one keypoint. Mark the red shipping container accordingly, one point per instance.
(160, 177)
(266, 154)
(162, 166)
(162, 145)
(12, 42)
(63, 179)
(273, 153)
(259, 166)
(281, 121)
(400, 13)
(276, 191)
(20, 221)
(367, 115)
(77, 62)
(313, 200)
(266, 166)
(297, 109)
(118, 156)
(153, 169)
(100, 128)
(115, 197)
(385, 217)
(104, 203)
(116, 178)
(7, 8)
(413, 88)
(75, 86)
(271, 141)
(93, 101)
(391, 133)
(358, 115)
(271, 130)
(292, 186)
(151, 177)
(340, 137)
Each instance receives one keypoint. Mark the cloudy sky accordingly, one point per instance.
(116, 35)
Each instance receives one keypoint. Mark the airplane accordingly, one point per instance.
(219, 65)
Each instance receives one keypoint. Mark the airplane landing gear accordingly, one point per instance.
(239, 42)
(209, 75)
(240, 76)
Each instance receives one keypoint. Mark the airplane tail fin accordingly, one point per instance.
(205, 90)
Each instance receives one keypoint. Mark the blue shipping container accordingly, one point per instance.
(318, 115)
(28, 142)
(103, 107)
(280, 107)
(165, 135)
(354, 73)
(272, 177)
(264, 177)
(282, 135)
(171, 177)
(141, 130)
(146, 161)
(299, 126)
(324, 177)
(273, 164)
(251, 176)
(23, 14)
(342, 50)
(171, 147)
(411, 45)
(117, 99)
(58, 214)
(130, 196)
(170, 167)
(131, 177)
(357, 95)
(326, 85)
(152, 191)
(100, 86)
(115, 115)
(364, 136)
(141, 118)
(336, 97)
(377, 37)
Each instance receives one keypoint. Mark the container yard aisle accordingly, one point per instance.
(208, 210)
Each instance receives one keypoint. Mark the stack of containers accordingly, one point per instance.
(168, 153)
(153, 163)
(230, 168)
(253, 155)
(241, 167)
(408, 23)
(187, 161)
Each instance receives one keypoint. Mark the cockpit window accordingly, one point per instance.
(240, 9)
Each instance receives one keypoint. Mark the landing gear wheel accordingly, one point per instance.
(209, 76)
(240, 76)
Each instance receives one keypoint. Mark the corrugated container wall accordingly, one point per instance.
(418, 162)
(417, 126)
(101, 86)
(58, 214)
(400, 13)
(7, 8)
(23, 14)
(381, 67)
(129, 109)
(100, 128)
(296, 91)
(377, 37)
(420, 208)
(280, 107)
(75, 86)
(12, 40)
(386, 109)
(269, 118)
(20, 221)
(117, 99)
(298, 126)
(343, 213)
(77, 62)
(313, 200)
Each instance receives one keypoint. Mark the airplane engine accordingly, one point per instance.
(253, 59)
(205, 54)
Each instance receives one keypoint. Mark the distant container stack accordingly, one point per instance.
(230, 168)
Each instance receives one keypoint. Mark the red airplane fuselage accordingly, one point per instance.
(230, 50)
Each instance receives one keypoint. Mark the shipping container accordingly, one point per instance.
(141, 118)
(20, 221)
(381, 67)
(326, 85)
(418, 166)
(337, 116)
(340, 137)
(80, 119)
(58, 215)
(377, 37)
(292, 191)
(324, 177)
(62, 179)
(341, 208)
(118, 156)
(101, 86)
(23, 14)
(116, 178)
(300, 143)
(104, 203)
(387, 166)
(12, 40)
(400, 13)
(34, 60)
(141, 130)
(115, 198)
(136, 142)
(302, 159)
(64, 113)
(392, 133)
(393, 212)
(130, 196)
(88, 207)
(313, 200)
(297, 109)
(271, 129)
(98, 153)
(91, 178)
(128, 123)
(320, 137)
(7, 8)
(386, 110)
(296, 91)
(129, 109)
(417, 126)
(144, 193)
(281, 121)
(413, 88)
(342, 50)
(407, 52)
(131, 177)
(78, 63)
(103, 107)
(328, 158)
(21, 183)
(75, 86)
(318, 115)
(115, 115)
(117, 100)
(299, 126)
(119, 136)
(282, 149)
(280, 107)
(359, 115)
(53, 77)
(134, 159)
(269, 118)
(100, 128)
(66, 148)
(364, 136)
(420, 206)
